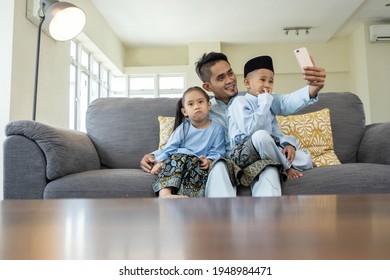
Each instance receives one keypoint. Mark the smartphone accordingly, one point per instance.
(303, 57)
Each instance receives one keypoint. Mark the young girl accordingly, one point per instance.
(182, 166)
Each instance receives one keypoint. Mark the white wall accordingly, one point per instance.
(6, 23)
(53, 85)
(100, 39)
(53, 82)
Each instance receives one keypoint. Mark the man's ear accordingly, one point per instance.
(206, 86)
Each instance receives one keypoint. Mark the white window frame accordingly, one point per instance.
(173, 92)
(156, 91)
(75, 115)
(104, 88)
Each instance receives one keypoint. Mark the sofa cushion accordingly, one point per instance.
(66, 151)
(124, 129)
(105, 183)
(349, 178)
(314, 134)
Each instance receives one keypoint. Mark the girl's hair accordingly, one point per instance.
(179, 117)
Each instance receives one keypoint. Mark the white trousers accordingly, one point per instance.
(267, 149)
(219, 185)
(268, 184)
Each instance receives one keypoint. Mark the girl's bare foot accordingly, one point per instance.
(167, 193)
(173, 196)
(293, 173)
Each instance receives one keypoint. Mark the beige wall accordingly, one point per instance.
(288, 76)
(333, 56)
(378, 71)
(352, 64)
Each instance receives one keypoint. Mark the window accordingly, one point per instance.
(156, 85)
(119, 86)
(171, 86)
(142, 86)
(90, 79)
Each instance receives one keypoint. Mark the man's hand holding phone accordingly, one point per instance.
(314, 76)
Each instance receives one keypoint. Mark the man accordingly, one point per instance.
(218, 77)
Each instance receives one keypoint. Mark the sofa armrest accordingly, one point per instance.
(24, 172)
(66, 151)
(375, 144)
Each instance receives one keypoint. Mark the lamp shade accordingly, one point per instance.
(63, 20)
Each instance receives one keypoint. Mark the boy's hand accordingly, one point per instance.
(289, 151)
(156, 168)
(264, 90)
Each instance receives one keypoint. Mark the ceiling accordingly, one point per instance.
(180, 22)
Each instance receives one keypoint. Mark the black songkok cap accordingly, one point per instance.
(260, 62)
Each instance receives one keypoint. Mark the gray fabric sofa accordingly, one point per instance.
(47, 162)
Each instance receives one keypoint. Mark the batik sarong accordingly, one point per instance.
(182, 173)
(245, 164)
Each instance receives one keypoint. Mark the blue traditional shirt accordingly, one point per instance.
(187, 139)
(248, 114)
(282, 104)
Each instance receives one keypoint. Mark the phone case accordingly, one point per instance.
(303, 57)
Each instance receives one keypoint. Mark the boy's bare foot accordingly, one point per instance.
(293, 173)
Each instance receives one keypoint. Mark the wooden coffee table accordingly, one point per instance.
(290, 227)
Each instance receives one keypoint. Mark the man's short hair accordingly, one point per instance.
(205, 63)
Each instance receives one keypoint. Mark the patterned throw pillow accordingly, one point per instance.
(166, 128)
(314, 133)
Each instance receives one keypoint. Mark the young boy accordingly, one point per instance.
(251, 116)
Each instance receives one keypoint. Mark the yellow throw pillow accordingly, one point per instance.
(166, 128)
(314, 133)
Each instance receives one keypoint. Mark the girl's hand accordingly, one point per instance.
(205, 164)
(289, 151)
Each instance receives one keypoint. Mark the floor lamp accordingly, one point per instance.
(63, 22)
